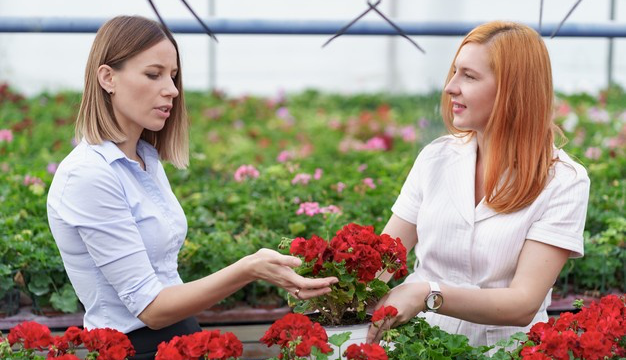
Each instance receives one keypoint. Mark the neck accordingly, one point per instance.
(480, 149)
(129, 147)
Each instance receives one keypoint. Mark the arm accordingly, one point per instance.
(181, 301)
(538, 266)
(111, 236)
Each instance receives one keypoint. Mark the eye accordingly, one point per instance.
(470, 77)
(152, 76)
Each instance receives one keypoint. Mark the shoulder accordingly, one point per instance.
(83, 169)
(446, 146)
(567, 172)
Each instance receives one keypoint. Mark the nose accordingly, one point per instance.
(452, 87)
(170, 89)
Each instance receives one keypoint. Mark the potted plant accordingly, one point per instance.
(357, 256)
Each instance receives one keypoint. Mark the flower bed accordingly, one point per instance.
(287, 166)
(596, 332)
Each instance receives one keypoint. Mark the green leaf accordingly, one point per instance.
(301, 306)
(297, 228)
(339, 339)
(318, 354)
(378, 288)
(66, 300)
(39, 284)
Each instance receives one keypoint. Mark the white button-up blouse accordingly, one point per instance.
(118, 228)
(468, 246)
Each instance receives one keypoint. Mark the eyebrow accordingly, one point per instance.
(464, 68)
(161, 67)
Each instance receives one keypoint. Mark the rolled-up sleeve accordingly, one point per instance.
(563, 220)
(93, 201)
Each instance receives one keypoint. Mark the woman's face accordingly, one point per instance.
(144, 89)
(472, 89)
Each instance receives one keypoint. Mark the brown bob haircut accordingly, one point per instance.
(520, 133)
(118, 40)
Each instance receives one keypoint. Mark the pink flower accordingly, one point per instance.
(340, 187)
(362, 167)
(593, 153)
(246, 172)
(330, 209)
(284, 114)
(313, 208)
(6, 135)
(369, 182)
(52, 168)
(423, 123)
(32, 180)
(318, 174)
(376, 143)
(334, 124)
(308, 208)
(598, 115)
(408, 134)
(284, 156)
(301, 178)
(563, 109)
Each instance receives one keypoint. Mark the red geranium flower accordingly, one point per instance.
(365, 352)
(357, 256)
(31, 335)
(298, 332)
(384, 312)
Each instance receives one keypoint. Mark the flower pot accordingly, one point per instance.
(358, 335)
(10, 303)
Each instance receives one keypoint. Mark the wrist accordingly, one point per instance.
(246, 269)
(434, 299)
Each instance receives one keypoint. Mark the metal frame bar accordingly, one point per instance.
(304, 27)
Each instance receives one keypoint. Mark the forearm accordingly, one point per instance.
(178, 302)
(503, 306)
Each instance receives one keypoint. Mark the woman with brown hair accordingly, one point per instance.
(494, 210)
(111, 210)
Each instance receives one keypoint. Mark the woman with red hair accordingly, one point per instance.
(494, 209)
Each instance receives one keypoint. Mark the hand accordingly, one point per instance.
(275, 268)
(408, 299)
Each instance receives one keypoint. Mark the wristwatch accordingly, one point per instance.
(434, 300)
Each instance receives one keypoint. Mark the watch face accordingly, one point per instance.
(434, 301)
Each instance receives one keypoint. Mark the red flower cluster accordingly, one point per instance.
(109, 343)
(296, 334)
(364, 252)
(384, 312)
(365, 352)
(106, 344)
(591, 334)
(203, 344)
(31, 335)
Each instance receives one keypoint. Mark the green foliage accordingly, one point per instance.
(418, 340)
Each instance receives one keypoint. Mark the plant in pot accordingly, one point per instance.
(357, 256)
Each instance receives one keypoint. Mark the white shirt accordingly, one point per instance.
(469, 246)
(118, 228)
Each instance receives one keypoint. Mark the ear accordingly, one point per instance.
(105, 78)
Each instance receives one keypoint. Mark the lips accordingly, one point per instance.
(163, 111)
(457, 107)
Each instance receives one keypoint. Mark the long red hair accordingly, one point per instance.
(519, 136)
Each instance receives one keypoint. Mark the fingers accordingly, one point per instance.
(305, 294)
(372, 333)
(287, 260)
(307, 283)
